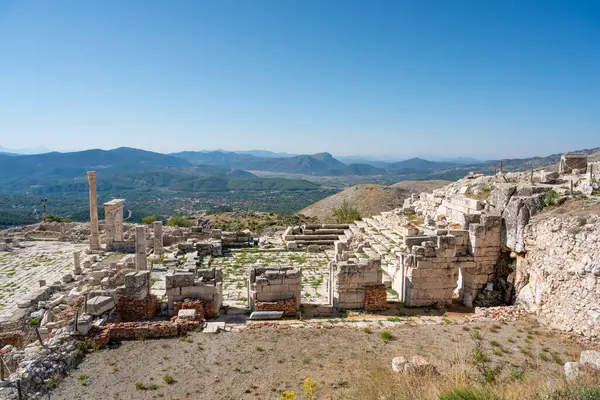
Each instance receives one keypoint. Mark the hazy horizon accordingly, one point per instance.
(483, 80)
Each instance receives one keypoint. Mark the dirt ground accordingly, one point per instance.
(260, 363)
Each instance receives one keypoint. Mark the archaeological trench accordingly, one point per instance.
(483, 241)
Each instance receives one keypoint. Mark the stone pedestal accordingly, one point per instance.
(140, 248)
(158, 238)
(94, 232)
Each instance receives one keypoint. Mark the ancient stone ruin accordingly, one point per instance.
(477, 242)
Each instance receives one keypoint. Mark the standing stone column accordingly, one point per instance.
(94, 232)
(76, 263)
(158, 238)
(119, 224)
(109, 225)
(140, 248)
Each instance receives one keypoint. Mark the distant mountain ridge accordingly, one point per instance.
(134, 168)
(127, 169)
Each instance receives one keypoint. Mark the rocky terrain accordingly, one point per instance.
(559, 275)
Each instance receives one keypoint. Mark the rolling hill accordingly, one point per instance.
(370, 199)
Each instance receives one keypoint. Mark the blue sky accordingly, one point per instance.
(449, 78)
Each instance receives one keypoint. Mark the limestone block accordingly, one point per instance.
(100, 305)
(187, 314)
(179, 279)
(137, 279)
(84, 324)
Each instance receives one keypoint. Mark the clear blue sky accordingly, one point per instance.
(436, 78)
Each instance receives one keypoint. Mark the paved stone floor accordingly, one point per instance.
(21, 269)
(235, 266)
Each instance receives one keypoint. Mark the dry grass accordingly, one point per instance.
(457, 375)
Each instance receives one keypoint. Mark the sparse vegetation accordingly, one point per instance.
(550, 198)
(386, 336)
(180, 222)
(168, 379)
(346, 213)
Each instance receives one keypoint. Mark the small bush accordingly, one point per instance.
(148, 219)
(368, 330)
(258, 348)
(140, 386)
(386, 336)
(152, 386)
(180, 222)
(168, 379)
(346, 213)
(550, 198)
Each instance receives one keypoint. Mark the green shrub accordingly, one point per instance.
(140, 386)
(168, 379)
(56, 218)
(468, 394)
(550, 198)
(346, 213)
(148, 219)
(386, 336)
(179, 221)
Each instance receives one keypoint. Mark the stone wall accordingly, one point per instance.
(275, 289)
(559, 276)
(203, 308)
(132, 309)
(206, 286)
(375, 297)
(143, 330)
(350, 280)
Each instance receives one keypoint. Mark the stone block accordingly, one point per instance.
(179, 279)
(84, 324)
(137, 279)
(188, 314)
(100, 305)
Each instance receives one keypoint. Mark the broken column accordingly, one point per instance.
(158, 238)
(94, 233)
(76, 263)
(140, 247)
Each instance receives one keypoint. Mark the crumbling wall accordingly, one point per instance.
(351, 279)
(275, 289)
(375, 297)
(485, 247)
(131, 309)
(207, 287)
(559, 276)
(203, 309)
(431, 271)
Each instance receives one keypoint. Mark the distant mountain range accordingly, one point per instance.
(128, 168)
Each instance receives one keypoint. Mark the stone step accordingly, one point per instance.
(355, 230)
(361, 225)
